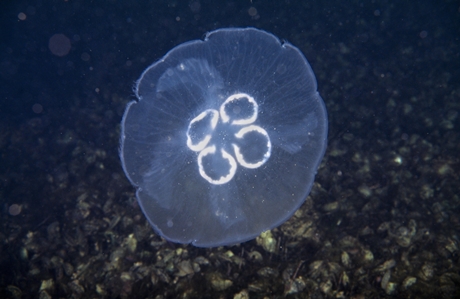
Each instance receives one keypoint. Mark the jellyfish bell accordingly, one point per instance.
(225, 137)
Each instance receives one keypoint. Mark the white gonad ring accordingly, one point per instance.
(203, 117)
(211, 150)
(240, 158)
(214, 133)
(239, 97)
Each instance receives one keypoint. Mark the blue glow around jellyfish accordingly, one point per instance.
(225, 137)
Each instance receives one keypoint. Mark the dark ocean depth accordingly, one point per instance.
(382, 219)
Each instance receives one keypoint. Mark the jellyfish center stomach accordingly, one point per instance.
(227, 138)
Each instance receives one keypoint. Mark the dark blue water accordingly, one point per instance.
(388, 184)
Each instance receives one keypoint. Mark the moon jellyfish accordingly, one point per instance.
(225, 137)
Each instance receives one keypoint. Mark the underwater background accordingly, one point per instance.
(383, 217)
